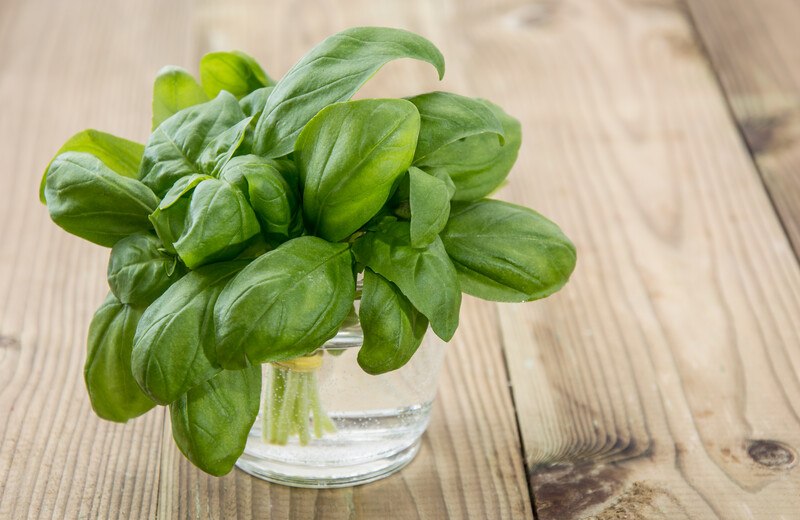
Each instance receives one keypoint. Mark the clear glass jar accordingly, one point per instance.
(324, 422)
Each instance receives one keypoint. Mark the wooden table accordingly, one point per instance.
(663, 382)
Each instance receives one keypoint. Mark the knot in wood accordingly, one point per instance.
(772, 454)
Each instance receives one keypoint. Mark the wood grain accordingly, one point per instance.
(57, 460)
(663, 381)
(754, 46)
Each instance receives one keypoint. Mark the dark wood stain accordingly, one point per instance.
(567, 491)
(772, 454)
(535, 14)
(643, 501)
(764, 134)
(9, 343)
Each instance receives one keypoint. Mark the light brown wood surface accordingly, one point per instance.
(661, 383)
(755, 49)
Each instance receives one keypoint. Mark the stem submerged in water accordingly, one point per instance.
(292, 405)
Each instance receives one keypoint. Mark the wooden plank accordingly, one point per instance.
(67, 66)
(753, 46)
(663, 381)
(470, 464)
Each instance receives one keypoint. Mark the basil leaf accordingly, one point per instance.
(235, 72)
(477, 164)
(446, 118)
(169, 223)
(169, 219)
(120, 155)
(114, 394)
(426, 276)
(393, 328)
(275, 203)
(220, 150)
(442, 176)
(507, 253)
(331, 72)
(429, 200)
(176, 145)
(255, 248)
(181, 187)
(211, 422)
(173, 350)
(217, 226)
(88, 199)
(349, 156)
(138, 271)
(253, 103)
(174, 90)
(285, 304)
(288, 170)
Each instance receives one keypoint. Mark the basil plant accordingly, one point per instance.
(239, 229)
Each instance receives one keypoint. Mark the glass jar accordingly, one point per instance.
(324, 422)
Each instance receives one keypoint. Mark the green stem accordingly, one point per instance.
(292, 400)
(302, 416)
(272, 406)
(287, 407)
(322, 423)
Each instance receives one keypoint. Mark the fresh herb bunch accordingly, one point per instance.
(238, 231)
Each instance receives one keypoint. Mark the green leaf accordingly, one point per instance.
(217, 225)
(176, 146)
(253, 103)
(174, 90)
(114, 394)
(88, 199)
(507, 253)
(446, 118)
(255, 248)
(118, 154)
(220, 150)
(275, 203)
(235, 72)
(211, 422)
(429, 200)
(426, 276)
(169, 219)
(288, 170)
(270, 197)
(204, 220)
(477, 164)
(181, 188)
(169, 223)
(349, 156)
(393, 328)
(174, 349)
(138, 271)
(331, 72)
(442, 176)
(285, 304)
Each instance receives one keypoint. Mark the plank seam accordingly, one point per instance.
(507, 373)
(715, 74)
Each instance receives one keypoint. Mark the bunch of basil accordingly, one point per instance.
(237, 231)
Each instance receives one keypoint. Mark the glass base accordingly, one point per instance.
(329, 476)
